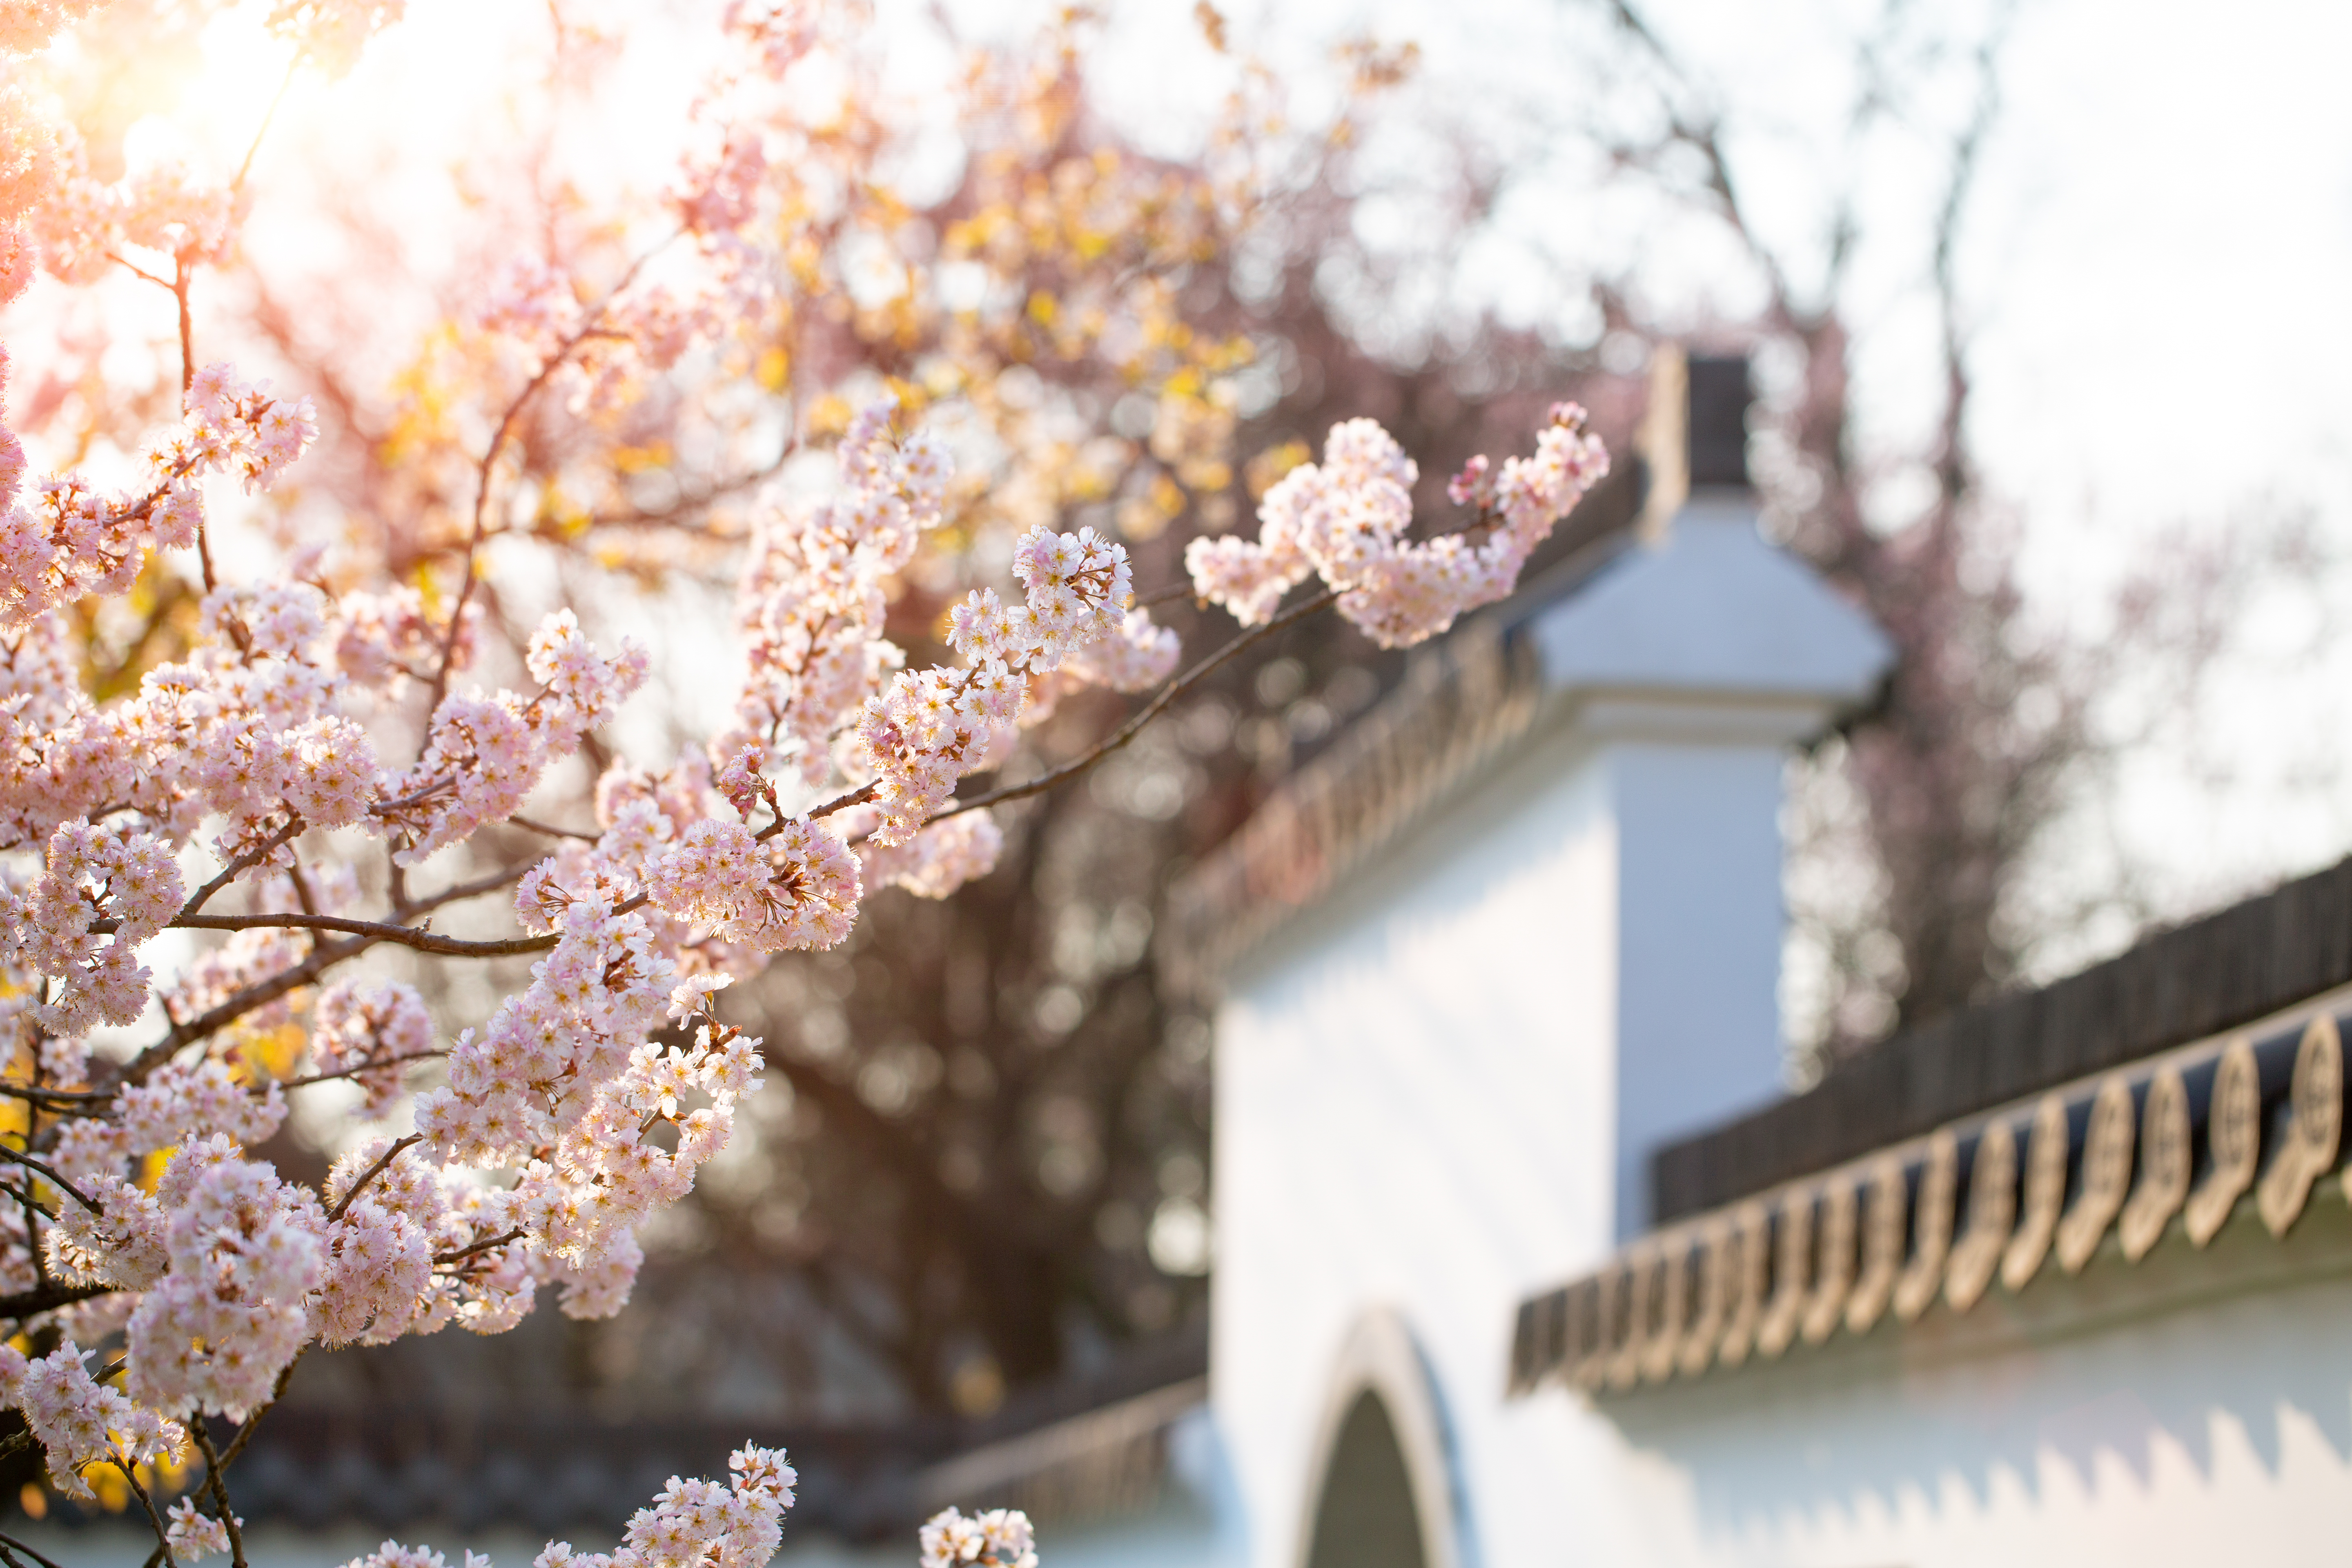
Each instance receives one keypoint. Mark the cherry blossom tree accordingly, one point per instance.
(302, 778)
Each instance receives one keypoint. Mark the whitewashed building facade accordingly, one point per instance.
(1525, 1260)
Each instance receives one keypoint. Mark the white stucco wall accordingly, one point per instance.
(1414, 1108)
(1421, 1104)
(1699, 918)
(1436, 1090)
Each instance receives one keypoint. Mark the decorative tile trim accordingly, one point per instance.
(2000, 1196)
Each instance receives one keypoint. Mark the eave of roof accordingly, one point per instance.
(561, 1470)
(2220, 973)
(2176, 1145)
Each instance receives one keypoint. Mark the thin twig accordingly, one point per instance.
(15, 1545)
(254, 147)
(219, 1489)
(857, 796)
(163, 1536)
(376, 930)
(402, 909)
(48, 1175)
(1164, 595)
(243, 863)
(363, 1066)
(24, 1195)
(554, 832)
(1141, 716)
(499, 438)
(488, 1244)
(370, 1175)
(138, 271)
(260, 993)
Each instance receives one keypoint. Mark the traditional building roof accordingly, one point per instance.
(1074, 1448)
(2195, 1080)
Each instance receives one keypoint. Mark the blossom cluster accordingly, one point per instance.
(194, 1536)
(1000, 1538)
(930, 728)
(79, 1420)
(563, 1087)
(1347, 519)
(812, 602)
(294, 774)
(71, 538)
(692, 1524)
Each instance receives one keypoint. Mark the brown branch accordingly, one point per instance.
(1142, 716)
(323, 958)
(48, 1175)
(1171, 593)
(375, 931)
(12, 1543)
(163, 1536)
(40, 1096)
(243, 863)
(261, 993)
(857, 796)
(23, 1195)
(219, 1489)
(490, 883)
(363, 1066)
(138, 271)
(489, 470)
(370, 1175)
(424, 793)
(29, 1303)
(180, 279)
(554, 832)
(489, 1244)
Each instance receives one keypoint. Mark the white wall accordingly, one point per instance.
(1415, 1108)
(1435, 1091)
(1700, 918)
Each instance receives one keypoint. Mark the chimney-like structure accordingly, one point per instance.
(1718, 393)
(1439, 1081)
(1685, 672)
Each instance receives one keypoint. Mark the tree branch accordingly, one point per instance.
(48, 1175)
(556, 361)
(364, 1066)
(489, 1244)
(31, 1303)
(14, 1544)
(370, 1175)
(219, 1489)
(375, 931)
(1142, 716)
(243, 863)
